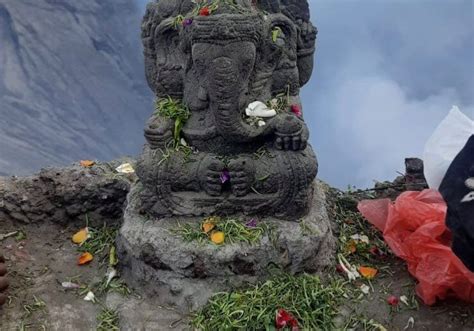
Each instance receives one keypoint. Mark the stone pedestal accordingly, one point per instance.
(186, 274)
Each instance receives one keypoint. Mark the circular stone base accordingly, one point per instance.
(186, 274)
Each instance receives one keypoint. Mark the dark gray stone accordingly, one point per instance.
(186, 274)
(216, 65)
(67, 195)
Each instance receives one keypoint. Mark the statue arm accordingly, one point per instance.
(159, 131)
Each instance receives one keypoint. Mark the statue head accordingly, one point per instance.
(271, 42)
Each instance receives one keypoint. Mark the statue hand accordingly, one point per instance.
(291, 133)
(159, 131)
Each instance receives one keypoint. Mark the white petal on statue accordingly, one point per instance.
(261, 123)
(259, 109)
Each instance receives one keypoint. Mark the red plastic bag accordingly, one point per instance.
(414, 228)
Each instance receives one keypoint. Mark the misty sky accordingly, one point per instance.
(386, 74)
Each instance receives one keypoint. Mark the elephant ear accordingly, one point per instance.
(164, 59)
(150, 21)
(298, 12)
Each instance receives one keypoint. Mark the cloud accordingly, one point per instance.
(385, 76)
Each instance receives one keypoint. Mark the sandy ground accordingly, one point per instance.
(37, 267)
(43, 260)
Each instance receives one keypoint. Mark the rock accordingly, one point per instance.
(187, 273)
(412, 180)
(67, 195)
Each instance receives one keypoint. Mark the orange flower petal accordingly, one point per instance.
(218, 237)
(85, 258)
(80, 236)
(87, 163)
(207, 227)
(209, 224)
(368, 272)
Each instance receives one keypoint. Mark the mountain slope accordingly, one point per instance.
(71, 82)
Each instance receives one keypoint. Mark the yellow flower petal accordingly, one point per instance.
(87, 163)
(368, 272)
(80, 236)
(218, 237)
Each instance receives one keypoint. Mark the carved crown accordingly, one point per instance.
(225, 28)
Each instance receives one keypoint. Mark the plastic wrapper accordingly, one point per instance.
(414, 228)
(445, 143)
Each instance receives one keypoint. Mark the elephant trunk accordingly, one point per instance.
(225, 90)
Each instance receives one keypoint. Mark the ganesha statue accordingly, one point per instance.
(228, 134)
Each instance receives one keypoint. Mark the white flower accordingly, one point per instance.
(365, 289)
(350, 270)
(259, 109)
(111, 274)
(362, 238)
(404, 299)
(125, 168)
(90, 296)
(410, 323)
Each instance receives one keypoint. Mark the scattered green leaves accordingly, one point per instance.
(100, 240)
(350, 223)
(108, 320)
(36, 305)
(313, 304)
(175, 110)
(104, 286)
(21, 235)
(234, 231)
(177, 21)
(281, 102)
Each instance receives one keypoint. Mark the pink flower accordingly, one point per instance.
(393, 300)
(295, 109)
(284, 319)
(204, 11)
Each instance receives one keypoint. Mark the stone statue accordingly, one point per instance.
(228, 135)
(227, 139)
